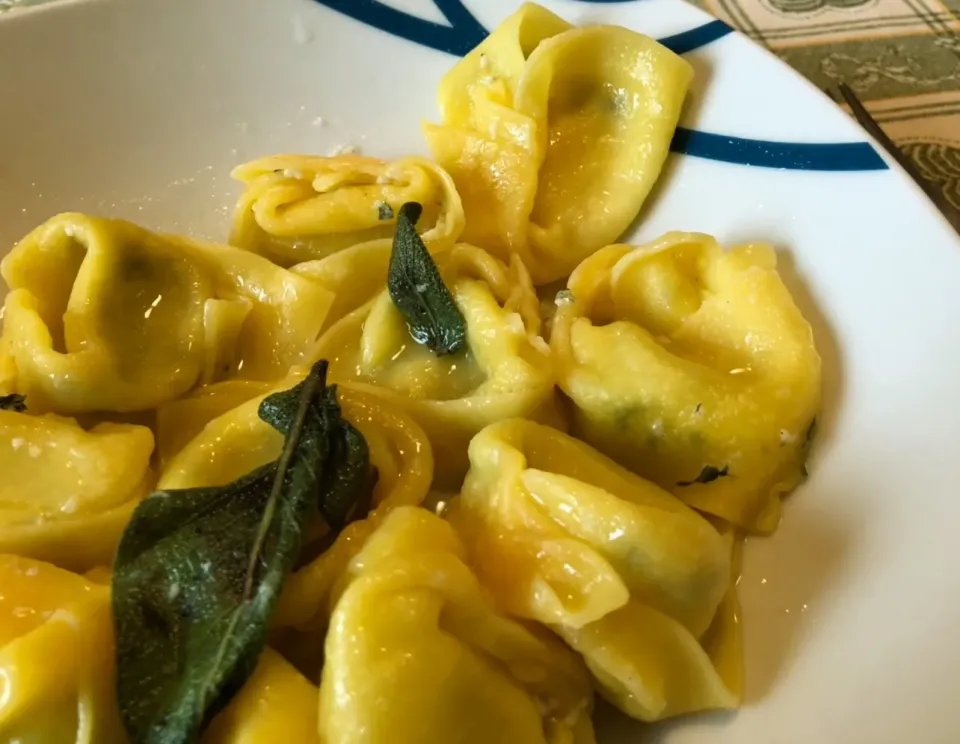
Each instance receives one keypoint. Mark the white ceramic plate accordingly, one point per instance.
(139, 108)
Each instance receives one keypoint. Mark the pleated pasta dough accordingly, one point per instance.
(555, 135)
(106, 316)
(297, 208)
(435, 661)
(625, 573)
(66, 494)
(354, 275)
(692, 366)
(506, 370)
(56, 657)
(238, 441)
(179, 421)
(276, 704)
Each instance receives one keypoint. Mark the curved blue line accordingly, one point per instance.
(462, 20)
(834, 156)
(695, 38)
(465, 31)
(447, 39)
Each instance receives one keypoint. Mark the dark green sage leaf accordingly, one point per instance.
(13, 402)
(418, 291)
(198, 573)
(347, 484)
(707, 475)
(384, 211)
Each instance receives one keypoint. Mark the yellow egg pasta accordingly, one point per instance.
(354, 276)
(505, 371)
(56, 657)
(692, 366)
(434, 649)
(620, 569)
(277, 704)
(106, 316)
(555, 135)
(179, 421)
(66, 494)
(297, 208)
(8, 368)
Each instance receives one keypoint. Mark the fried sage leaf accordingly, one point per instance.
(199, 571)
(418, 291)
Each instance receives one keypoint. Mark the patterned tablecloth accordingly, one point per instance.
(901, 57)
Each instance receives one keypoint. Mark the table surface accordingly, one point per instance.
(901, 57)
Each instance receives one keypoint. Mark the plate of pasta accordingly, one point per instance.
(434, 371)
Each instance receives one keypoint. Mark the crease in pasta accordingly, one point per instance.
(55, 633)
(104, 315)
(555, 135)
(297, 208)
(692, 366)
(625, 573)
(67, 493)
(505, 371)
(435, 649)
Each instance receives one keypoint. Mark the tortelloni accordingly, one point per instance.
(434, 660)
(66, 494)
(107, 316)
(693, 367)
(505, 371)
(555, 135)
(298, 208)
(625, 573)
(238, 441)
(56, 640)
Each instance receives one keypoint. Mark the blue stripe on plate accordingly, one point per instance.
(695, 38)
(455, 39)
(834, 156)
(465, 32)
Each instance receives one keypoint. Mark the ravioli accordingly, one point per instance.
(506, 370)
(297, 208)
(56, 650)
(625, 573)
(66, 494)
(694, 367)
(106, 316)
(238, 441)
(435, 655)
(555, 135)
